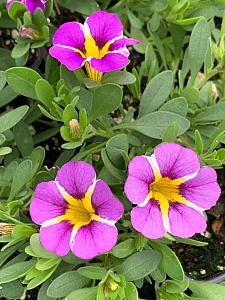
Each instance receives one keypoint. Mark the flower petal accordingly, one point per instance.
(176, 161)
(47, 203)
(118, 44)
(71, 59)
(130, 41)
(32, 5)
(109, 62)
(76, 178)
(104, 27)
(140, 176)
(70, 34)
(185, 221)
(56, 238)
(94, 239)
(148, 220)
(105, 204)
(203, 190)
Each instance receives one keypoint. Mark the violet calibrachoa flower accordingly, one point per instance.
(99, 44)
(76, 212)
(171, 192)
(31, 5)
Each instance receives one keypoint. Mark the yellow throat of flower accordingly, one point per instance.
(165, 190)
(79, 212)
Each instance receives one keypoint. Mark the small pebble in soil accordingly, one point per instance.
(220, 268)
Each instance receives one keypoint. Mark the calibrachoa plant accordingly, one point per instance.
(112, 154)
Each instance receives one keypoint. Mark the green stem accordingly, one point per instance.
(98, 133)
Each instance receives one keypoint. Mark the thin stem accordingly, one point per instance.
(97, 133)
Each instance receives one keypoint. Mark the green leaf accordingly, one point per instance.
(106, 99)
(124, 248)
(69, 77)
(37, 157)
(170, 261)
(208, 291)
(15, 271)
(117, 150)
(83, 294)
(23, 138)
(40, 278)
(86, 7)
(42, 293)
(117, 173)
(173, 286)
(22, 80)
(46, 264)
(69, 113)
(198, 142)
(38, 249)
(156, 92)
(155, 124)
(212, 113)
(134, 20)
(171, 133)
(20, 178)
(20, 49)
(139, 264)
(45, 92)
(10, 119)
(176, 105)
(8, 61)
(12, 290)
(4, 255)
(119, 77)
(92, 272)
(131, 291)
(5, 150)
(198, 46)
(7, 95)
(16, 10)
(2, 80)
(66, 284)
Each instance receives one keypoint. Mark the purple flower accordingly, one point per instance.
(31, 5)
(171, 192)
(99, 44)
(76, 212)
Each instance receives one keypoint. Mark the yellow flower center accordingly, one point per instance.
(165, 190)
(92, 50)
(79, 212)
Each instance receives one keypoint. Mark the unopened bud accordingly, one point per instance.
(6, 229)
(29, 33)
(74, 127)
(112, 285)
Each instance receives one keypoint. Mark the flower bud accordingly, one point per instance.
(6, 229)
(29, 33)
(75, 128)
